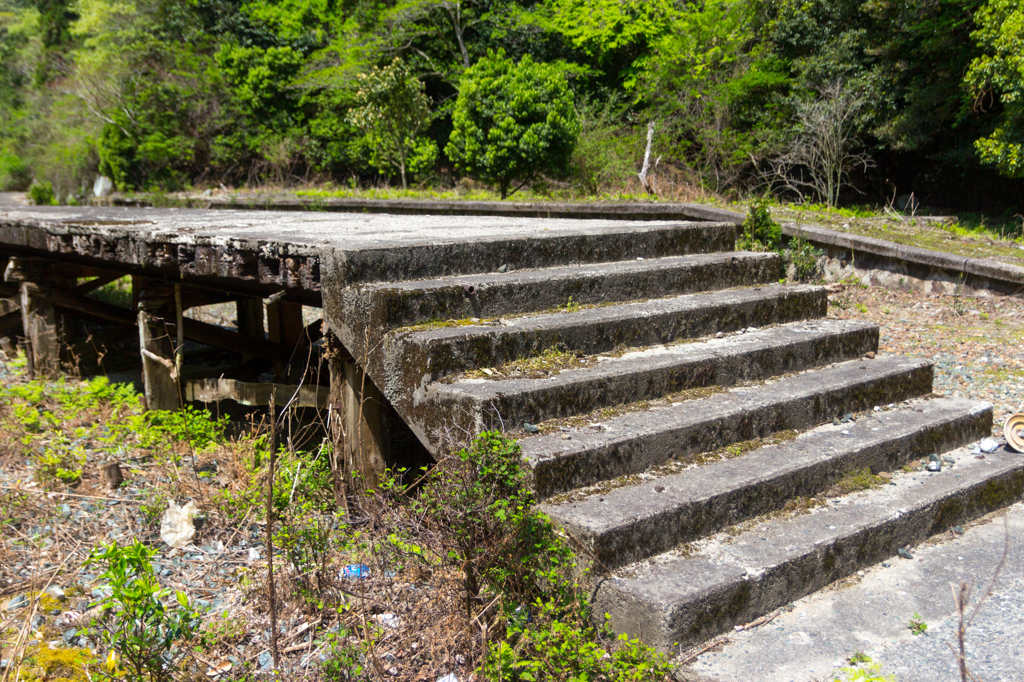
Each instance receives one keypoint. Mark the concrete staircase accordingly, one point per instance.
(686, 416)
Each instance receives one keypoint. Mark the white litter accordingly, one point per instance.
(176, 527)
(989, 445)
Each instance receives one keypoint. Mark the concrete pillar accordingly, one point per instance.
(157, 316)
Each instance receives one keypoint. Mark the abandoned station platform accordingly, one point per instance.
(663, 386)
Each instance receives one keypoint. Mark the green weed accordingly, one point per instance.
(140, 625)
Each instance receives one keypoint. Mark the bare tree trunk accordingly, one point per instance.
(647, 160)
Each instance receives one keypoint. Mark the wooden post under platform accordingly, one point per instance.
(41, 325)
(284, 326)
(356, 424)
(157, 315)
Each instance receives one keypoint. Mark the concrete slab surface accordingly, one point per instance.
(817, 636)
(351, 231)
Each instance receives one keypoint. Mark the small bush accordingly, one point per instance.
(41, 194)
(15, 175)
(140, 628)
(760, 232)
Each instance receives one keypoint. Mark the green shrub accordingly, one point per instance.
(513, 121)
(513, 555)
(760, 232)
(15, 175)
(41, 194)
(143, 631)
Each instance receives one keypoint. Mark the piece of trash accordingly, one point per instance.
(530, 428)
(1013, 429)
(488, 372)
(219, 668)
(355, 571)
(934, 466)
(176, 526)
(254, 554)
(904, 554)
(389, 620)
(450, 677)
(989, 445)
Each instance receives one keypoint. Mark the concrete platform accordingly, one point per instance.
(298, 250)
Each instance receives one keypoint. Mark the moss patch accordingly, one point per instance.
(854, 481)
(549, 363)
(57, 665)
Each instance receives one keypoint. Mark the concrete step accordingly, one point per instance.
(734, 578)
(396, 304)
(433, 246)
(638, 440)
(479, 404)
(638, 521)
(451, 349)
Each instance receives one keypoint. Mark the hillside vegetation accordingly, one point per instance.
(825, 100)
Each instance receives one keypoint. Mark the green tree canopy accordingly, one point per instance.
(999, 73)
(391, 110)
(513, 121)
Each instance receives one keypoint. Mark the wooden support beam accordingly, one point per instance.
(256, 393)
(249, 314)
(38, 279)
(156, 322)
(284, 326)
(96, 283)
(356, 424)
(201, 332)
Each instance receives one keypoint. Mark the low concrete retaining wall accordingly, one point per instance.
(887, 263)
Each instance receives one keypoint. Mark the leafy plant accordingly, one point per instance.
(869, 673)
(804, 257)
(41, 194)
(917, 626)
(760, 232)
(513, 120)
(392, 110)
(144, 633)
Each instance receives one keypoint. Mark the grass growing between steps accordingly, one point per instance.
(459, 574)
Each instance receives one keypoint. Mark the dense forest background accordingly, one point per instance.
(922, 96)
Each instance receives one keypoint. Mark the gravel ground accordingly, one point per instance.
(975, 342)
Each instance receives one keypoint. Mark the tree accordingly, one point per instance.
(822, 153)
(513, 122)
(999, 72)
(391, 110)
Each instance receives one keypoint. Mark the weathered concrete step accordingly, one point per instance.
(656, 372)
(448, 350)
(734, 579)
(637, 441)
(476, 245)
(494, 294)
(639, 521)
